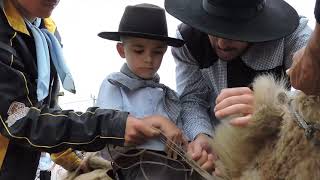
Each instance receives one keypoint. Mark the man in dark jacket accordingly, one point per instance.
(31, 62)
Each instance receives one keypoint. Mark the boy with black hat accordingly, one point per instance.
(229, 43)
(143, 40)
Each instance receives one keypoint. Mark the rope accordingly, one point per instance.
(177, 149)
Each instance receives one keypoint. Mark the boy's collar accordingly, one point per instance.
(16, 21)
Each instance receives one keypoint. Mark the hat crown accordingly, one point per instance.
(234, 9)
(236, 3)
(143, 21)
(144, 18)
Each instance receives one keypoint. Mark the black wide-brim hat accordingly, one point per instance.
(143, 21)
(242, 20)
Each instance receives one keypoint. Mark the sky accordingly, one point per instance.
(91, 58)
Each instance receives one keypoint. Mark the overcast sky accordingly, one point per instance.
(91, 58)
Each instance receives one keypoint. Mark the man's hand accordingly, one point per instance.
(170, 130)
(236, 102)
(305, 72)
(200, 151)
(137, 131)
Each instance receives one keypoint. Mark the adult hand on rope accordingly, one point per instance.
(199, 150)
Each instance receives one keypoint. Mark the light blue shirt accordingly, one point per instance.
(140, 103)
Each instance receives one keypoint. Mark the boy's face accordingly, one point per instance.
(143, 56)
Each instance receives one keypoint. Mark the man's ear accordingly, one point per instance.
(120, 49)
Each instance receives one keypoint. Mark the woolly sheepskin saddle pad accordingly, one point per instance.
(280, 143)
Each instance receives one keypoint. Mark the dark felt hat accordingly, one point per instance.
(243, 20)
(144, 21)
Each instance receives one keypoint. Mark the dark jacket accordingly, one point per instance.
(28, 126)
(317, 11)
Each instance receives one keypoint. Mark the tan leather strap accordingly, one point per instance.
(4, 142)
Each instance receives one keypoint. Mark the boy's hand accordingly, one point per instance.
(235, 101)
(170, 130)
(174, 136)
(200, 151)
(137, 131)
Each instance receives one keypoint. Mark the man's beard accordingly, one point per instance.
(229, 54)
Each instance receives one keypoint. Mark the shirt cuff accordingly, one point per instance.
(193, 132)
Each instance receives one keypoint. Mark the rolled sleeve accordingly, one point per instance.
(296, 40)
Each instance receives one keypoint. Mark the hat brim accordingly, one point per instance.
(277, 20)
(115, 36)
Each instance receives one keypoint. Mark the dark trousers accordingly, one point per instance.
(151, 165)
(45, 175)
